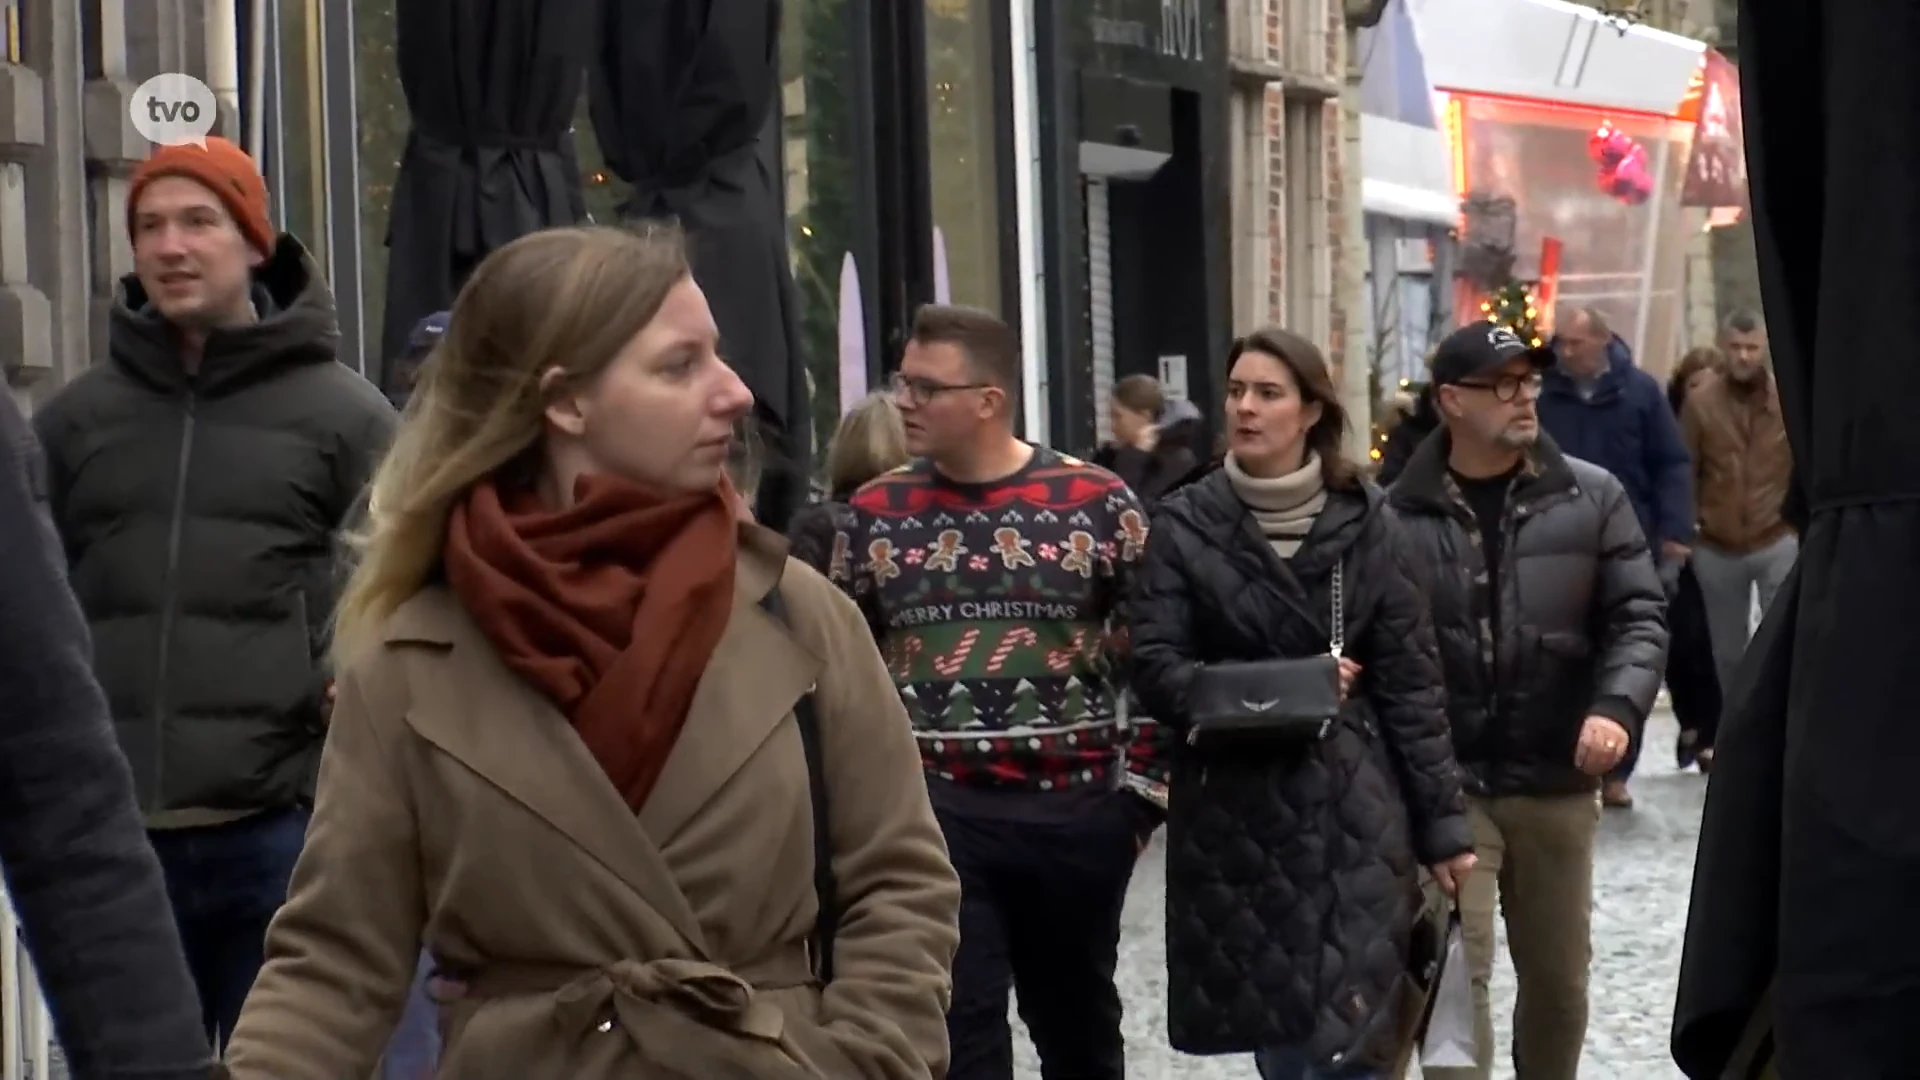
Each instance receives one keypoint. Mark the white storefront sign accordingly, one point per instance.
(1552, 50)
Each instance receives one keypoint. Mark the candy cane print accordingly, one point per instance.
(1013, 639)
(903, 655)
(1063, 658)
(952, 663)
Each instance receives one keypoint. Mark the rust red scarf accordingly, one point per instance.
(612, 607)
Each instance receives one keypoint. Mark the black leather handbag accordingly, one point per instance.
(1279, 701)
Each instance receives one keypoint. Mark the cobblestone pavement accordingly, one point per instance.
(1643, 870)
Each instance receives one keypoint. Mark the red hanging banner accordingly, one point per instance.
(1717, 168)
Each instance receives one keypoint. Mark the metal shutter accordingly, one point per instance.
(1100, 302)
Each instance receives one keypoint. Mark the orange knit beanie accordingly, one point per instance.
(224, 169)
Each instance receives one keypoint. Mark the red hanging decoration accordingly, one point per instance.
(1623, 165)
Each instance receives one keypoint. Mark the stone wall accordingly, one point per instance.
(66, 150)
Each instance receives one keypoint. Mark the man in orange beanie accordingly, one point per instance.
(195, 283)
(200, 481)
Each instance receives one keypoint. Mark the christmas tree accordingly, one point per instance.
(1026, 704)
(961, 714)
(1514, 306)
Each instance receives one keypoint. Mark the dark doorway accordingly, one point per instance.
(1156, 231)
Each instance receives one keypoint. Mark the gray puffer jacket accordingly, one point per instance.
(1581, 621)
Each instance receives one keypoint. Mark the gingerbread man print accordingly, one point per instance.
(1133, 534)
(945, 551)
(1078, 558)
(881, 562)
(1012, 548)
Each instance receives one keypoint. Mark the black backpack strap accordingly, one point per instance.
(825, 888)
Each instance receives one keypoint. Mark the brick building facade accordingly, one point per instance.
(1298, 256)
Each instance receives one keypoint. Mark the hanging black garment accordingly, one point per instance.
(491, 87)
(681, 93)
(1809, 862)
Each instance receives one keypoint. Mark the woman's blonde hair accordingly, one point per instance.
(869, 441)
(568, 298)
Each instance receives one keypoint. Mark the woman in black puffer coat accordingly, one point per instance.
(1291, 870)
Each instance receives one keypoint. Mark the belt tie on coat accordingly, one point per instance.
(632, 993)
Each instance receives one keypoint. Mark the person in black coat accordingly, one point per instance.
(81, 876)
(869, 441)
(1158, 445)
(1550, 617)
(1406, 437)
(1693, 680)
(1292, 870)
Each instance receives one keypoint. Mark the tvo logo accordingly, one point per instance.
(172, 109)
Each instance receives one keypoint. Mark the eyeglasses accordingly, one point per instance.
(916, 391)
(1508, 387)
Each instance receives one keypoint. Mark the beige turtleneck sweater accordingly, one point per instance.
(1284, 506)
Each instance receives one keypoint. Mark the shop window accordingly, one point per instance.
(1626, 261)
(383, 137)
(604, 192)
(826, 209)
(963, 130)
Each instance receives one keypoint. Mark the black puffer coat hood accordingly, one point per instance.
(1291, 871)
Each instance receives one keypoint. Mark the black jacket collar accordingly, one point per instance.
(1422, 488)
(296, 328)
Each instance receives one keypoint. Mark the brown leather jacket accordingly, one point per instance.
(1741, 464)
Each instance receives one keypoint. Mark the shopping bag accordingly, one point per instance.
(1413, 988)
(1449, 1041)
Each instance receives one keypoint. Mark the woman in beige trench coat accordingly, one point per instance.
(564, 754)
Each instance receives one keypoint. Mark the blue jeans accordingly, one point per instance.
(225, 882)
(415, 1048)
(1291, 1063)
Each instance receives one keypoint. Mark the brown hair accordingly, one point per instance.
(1141, 393)
(1706, 357)
(567, 298)
(988, 341)
(868, 442)
(1314, 378)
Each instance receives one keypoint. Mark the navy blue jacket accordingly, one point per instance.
(1627, 428)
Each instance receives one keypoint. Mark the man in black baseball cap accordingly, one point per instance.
(1480, 350)
(1552, 641)
(1487, 381)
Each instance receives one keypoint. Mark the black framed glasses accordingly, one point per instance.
(1508, 387)
(916, 391)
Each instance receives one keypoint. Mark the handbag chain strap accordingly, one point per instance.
(1338, 643)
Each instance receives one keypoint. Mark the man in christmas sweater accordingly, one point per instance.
(992, 571)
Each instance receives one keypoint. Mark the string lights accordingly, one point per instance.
(1515, 307)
